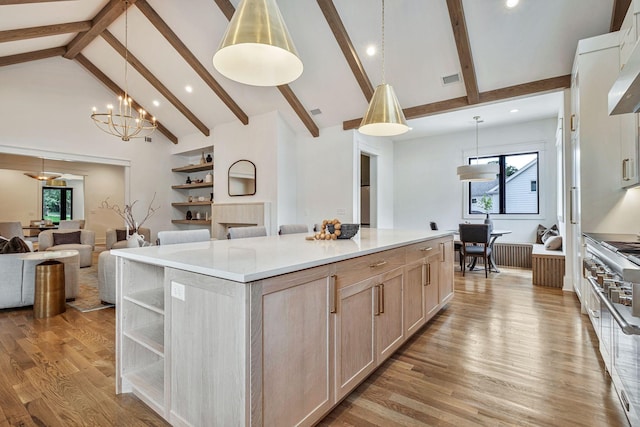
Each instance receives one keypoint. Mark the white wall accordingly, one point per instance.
(286, 170)
(46, 105)
(427, 187)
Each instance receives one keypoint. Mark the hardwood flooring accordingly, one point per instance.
(503, 353)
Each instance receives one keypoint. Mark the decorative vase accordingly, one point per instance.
(189, 215)
(202, 159)
(135, 241)
(211, 199)
(188, 180)
(489, 221)
(209, 158)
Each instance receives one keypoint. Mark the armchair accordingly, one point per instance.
(55, 240)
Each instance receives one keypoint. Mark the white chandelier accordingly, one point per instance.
(478, 172)
(126, 122)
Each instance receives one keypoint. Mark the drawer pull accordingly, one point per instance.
(381, 294)
(426, 249)
(428, 274)
(376, 301)
(378, 264)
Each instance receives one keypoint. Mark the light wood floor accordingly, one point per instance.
(503, 353)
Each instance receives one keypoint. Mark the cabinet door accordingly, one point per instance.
(628, 150)
(389, 318)
(296, 353)
(431, 285)
(354, 335)
(414, 300)
(445, 280)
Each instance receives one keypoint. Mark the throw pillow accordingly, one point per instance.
(121, 235)
(14, 246)
(550, 232)
(66, 238)
(539, 232)
(553, 243)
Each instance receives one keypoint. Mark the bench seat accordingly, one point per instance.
(547, 266)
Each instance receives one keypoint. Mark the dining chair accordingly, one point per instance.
(173, 237)
(242, 232)
(293, 228)
(71, 224)
(475, 240)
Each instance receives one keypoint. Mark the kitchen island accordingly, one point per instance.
(271, 330)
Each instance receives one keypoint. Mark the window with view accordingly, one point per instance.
(515, 189)
(57, 203)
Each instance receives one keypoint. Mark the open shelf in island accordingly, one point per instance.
(153, 299)
(150, 337)
(148, 384)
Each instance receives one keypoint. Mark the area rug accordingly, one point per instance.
(88, 298)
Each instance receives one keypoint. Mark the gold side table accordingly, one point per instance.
(49, 298)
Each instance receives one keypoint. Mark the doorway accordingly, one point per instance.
(368, 190)
(57, 204)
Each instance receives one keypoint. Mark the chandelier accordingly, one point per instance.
(478, 172)
(125, 122)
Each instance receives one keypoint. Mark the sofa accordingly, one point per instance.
(17, 287)
(49, 240)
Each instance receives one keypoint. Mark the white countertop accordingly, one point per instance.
(255, 258)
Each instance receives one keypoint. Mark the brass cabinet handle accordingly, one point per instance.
(573, 122)
(377, 264)
(442, 252)
(333, 294)
(424, 274)
(625, 170)
(425, 249)
(381, 295)
(376, 310)
(428, 274)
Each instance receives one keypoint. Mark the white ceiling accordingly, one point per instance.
(534, 41)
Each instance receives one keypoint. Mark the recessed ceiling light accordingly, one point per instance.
(515, 110)
(156, 103)
(512, 3)
(188, 88)
(371, 50)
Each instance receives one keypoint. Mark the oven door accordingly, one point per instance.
(626, 371)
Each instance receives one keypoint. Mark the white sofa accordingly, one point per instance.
(17, 287)
(85, 247)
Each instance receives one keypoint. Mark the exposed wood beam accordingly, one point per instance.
(297, 106)
(342, 37)
(32, 56)
(44, 31)
(539, 86)
(102, 20)
(82, 60)
(191, 59)
(620, 8)
(155, 82)
(228, 10)
(461, 35)
(8, 2)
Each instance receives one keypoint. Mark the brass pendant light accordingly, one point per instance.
(384, 117)
(478, 172)
(42, 175)
(257, 48)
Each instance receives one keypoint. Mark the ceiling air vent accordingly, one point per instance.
(453, 78)
(315, 112)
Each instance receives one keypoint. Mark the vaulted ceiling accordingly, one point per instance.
(499, 54)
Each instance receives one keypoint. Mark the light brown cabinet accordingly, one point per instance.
(389, 324)
(432, 285)
(414, 296)
(445, 279)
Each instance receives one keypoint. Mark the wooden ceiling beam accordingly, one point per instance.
(228, 10)
(536, 87)
(618, 12)
(461, 35)
(44, 31)
(14, 2)
(191, 59)
(32, 56)
(344, 42)
(102, 20)
(154, 81)
(89, 66)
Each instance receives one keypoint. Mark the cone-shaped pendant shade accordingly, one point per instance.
(384, 117)
(257, 49)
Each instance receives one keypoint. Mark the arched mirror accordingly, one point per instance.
(242, 178)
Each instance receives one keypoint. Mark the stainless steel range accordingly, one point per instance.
(612, 269)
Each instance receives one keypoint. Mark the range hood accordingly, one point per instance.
(624, 96)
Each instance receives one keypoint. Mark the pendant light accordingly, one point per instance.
(384, 117)
(42, 176)
(257, 49)
(478, 172)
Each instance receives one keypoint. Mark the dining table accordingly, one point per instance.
(495, 234)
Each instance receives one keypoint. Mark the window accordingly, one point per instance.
(515, 189)
(57, 203)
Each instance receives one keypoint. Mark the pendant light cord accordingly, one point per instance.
(126, 47)
(477, 119)
(384, 80)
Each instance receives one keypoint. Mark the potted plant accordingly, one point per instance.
(486, 203)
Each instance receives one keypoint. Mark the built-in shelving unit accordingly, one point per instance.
(186, 196)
